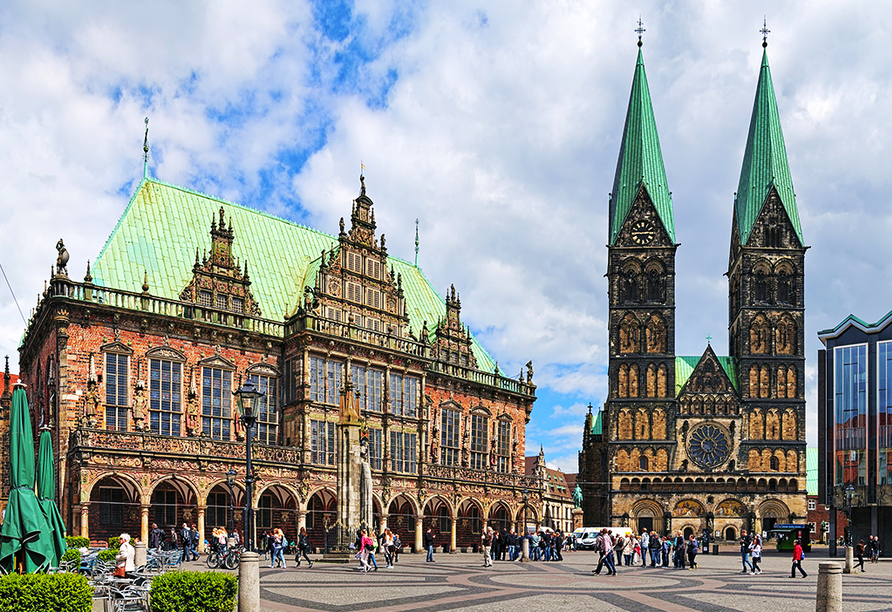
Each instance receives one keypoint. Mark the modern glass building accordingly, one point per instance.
(855, 426)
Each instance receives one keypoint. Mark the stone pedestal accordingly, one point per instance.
(829, 596)
(139, 555)
(850, 560)
(249, 583)
(577, 518)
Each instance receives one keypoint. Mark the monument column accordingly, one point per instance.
(349, 464)
(419, 533)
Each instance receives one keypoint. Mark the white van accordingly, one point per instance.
(585, 536)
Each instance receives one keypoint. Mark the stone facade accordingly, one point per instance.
(138, 388)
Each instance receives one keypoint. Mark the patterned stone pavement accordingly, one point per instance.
(459, 582)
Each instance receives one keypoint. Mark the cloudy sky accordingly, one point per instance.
(496, 124)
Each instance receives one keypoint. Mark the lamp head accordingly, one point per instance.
(230, 477)
(249, 399)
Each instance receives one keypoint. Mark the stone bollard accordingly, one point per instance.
(850, 560)
(249, 583)
(525, 550)
(829, 597)
(139, 556)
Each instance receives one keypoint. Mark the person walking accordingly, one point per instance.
(860, 548)
(429, 544)
(746, 542)
(303, 547)
(692, 548)
(156, 536)
(599, 548)
(678, 547)
(496, 546)
(644, 542)
(512, 545)
(628, 550)
(486, 539)
(124, 559)
(194, 541)
(797, 560)
(874, 549)
(397, 545)
(186, 536)
(278, 548)
(559, 546)
(609, 553)
(756, 552)
(387, 545)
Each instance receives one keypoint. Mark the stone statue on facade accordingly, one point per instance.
(61, 258)
(139, 407)
(577, 497)
(365, 485)
(193, 421)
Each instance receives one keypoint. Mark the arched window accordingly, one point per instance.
(655, 292)
(760, 287)
(785, 292)
(773, 464)
(642, 464)
(629, 282)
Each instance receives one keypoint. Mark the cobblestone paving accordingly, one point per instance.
(459, 582)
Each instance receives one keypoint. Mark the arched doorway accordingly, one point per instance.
(500, 517)
(174, 502)
(437, 518)
(688, 532)
(114, 508)
(648, 515)
(321, 512)
(218, 514)
(276, 508)
(470, 524)
(401, 520)
(730, 534)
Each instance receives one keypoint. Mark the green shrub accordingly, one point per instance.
(43, 592)
(114, 543)
(107, 555)
(72, 554)
(77, 542)
(194, 592)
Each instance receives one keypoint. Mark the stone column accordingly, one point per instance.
(301, 520)
(829, 596)
(419, 533)
(144, 525)
(202, 511)
(384, 518)
(850, 560)
(85, 520)
(249, 583)
(524, 549)
(139, 556)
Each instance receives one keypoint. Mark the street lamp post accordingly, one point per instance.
(249, 402)
(525, 542)
(230, 482)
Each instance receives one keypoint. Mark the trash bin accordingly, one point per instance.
(715, 549)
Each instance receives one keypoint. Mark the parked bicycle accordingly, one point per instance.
(229, 558)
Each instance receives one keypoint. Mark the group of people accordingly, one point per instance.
(630, 549)
(368, 543)
(275, 544)
(871, 549)
(186, 539)
(507, 545)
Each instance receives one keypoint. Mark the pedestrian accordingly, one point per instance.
(860, 548)
(303, 547)
(172, 539)
(279, 544)
(503, 543)
(371, 556)
(745, 542)
(270, 551)
(186, 536)
(679, 546)
(429, 544)
(366, 545)
(194, 547)
(124, 559)
(156, 536)
(486, 539)
(599, 548)
(756, 552)
(512, 545)
(644, 542)
(534, 546)
(874, 549)
(397, 545)
(264, 545)
(609, 552)
(628, 550)
(388, 548)
(797, 560)
(667, 549)
(545, 545)
(496, 546)
(692, 548)
(559, 541)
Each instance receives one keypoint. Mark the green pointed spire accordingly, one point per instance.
(640, 160)
(764, 162)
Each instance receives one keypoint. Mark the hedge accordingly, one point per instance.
(114, 543)
(107, 555)
(72, 554)
(194, 592)
(43, 592)
(77, 542)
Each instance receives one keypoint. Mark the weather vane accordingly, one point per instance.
(640, 30)
(145, 152)
(765, 31)
(708, 339)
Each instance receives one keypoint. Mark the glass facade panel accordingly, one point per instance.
(322, 442)
(503, 447)
(884, 414)
(375, 450)
(479, 429)
(325, 380)
(850, 405)
(402, 451)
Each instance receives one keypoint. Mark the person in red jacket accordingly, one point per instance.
(797, 560)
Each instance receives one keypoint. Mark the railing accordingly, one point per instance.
(485, 378)
(101, 439)
(359, 334)
(458, 473)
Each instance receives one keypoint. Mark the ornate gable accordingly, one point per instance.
(773, 228)
(643, 227)
(453, 339)
(708, 390)
(218, 280)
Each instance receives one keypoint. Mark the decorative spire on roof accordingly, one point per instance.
(640, 30)
(640, 162)
(764, 31)
(416, 242)
(765, 166)
(145, 152)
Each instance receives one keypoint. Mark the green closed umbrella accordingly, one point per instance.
(46, 496)
(25, 541)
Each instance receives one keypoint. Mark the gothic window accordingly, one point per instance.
(625, 425)
(759, 336)
(757, 427)
(786, 337)
(791, 382)
(629, 282)
(623, 381)
(655, 291)
(322, 442)
(165, 396)
(268, 415)
(628, 335)
(403, 393)
(633, 380)
(479, 445)
(642, 464)
(772, 425)
(656, 335)
(116, 391)
(760, 287)
(659, 425)
(402, 449)
(781, 381)
(642, 426)
(785, 292)
(449, 438)
(662, 381)
(370, 385)
(651, 381)
(216, 402)
(764, 382)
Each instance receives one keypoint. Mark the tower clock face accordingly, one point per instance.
(643, 232)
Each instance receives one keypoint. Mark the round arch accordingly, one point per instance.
(125, 481)
(114, 507)
(276, 506)
(772, 511)
(221, 482)
(647, 514)
(321, 511)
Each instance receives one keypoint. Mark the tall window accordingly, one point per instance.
(116, 391)
(884, 413)
(449, 438)
(165, 396)
(503, 446)
(111, 506)
(322, 442)
(375, 450)
(404, 394)
(216, 402)
(325, 380)
(268, 414)
(265, 512)
(479, 427)
(370, 384)
(402, 450)
(850, 404)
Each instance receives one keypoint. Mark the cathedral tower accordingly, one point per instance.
(766, 277)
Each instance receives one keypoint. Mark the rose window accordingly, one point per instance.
(708, 445)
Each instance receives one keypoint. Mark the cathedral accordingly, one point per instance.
(706, 443)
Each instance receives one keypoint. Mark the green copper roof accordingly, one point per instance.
(163, 224)
(764, 162)
(597, 425)
(640, 160)
(684, 367)
(811, 467)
